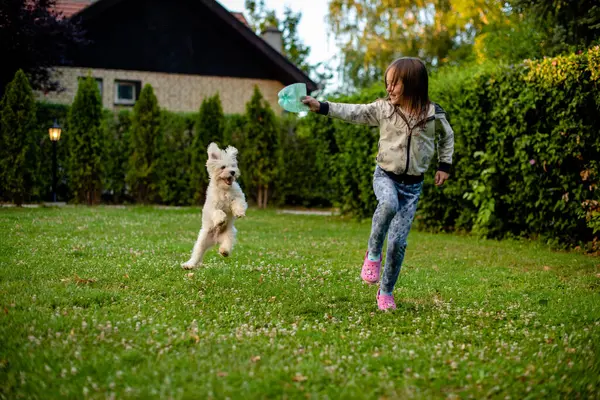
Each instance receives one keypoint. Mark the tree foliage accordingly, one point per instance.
(35, 38)
(175, 185)
(146, 142)
(536, 28)
(374, 33)
(117, 130)
(19, 159)
(262, 146)
(210, 127)
(564, 25)
(85, 141)
(371, 33)
(509, 40)
(261, 18)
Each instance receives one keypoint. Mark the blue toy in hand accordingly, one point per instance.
(290, 98)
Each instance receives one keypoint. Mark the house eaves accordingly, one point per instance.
(96, 9)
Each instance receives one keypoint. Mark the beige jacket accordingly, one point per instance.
(400, 151)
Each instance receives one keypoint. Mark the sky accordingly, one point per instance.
(312, 28)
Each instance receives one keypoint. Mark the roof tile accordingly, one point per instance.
(240, 18)
(70, 7)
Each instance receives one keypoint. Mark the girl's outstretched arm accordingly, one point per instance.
(361, 114)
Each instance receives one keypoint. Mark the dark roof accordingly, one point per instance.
(240, 17)
(69, 7)
(288, 68)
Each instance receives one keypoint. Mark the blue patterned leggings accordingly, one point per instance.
(397, 204)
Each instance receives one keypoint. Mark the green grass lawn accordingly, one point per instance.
(93, 303)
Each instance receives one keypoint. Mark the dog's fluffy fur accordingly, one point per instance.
(225, 202)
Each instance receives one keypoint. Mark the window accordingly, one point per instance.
(98, 81)
(126, 92)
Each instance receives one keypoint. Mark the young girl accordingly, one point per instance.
(407, 125)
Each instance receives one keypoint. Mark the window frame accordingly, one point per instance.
(135, 85)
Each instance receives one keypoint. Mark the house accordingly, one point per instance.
(186, 49)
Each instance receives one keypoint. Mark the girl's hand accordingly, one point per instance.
(312, 103)
(441, 177)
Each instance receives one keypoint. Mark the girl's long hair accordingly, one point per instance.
(412, 73)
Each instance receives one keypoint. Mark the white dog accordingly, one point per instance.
(225, 202)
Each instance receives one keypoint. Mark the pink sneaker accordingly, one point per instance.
(385, 301)
(370, 270)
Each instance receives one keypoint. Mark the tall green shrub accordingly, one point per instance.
(462, 94)
(307, 145)
(86, 144)
(174, 183)
(146, 143)
(235, 135)
(352, 167)
(19, 159)
(262, 151)
(117, 132)
(209, 128)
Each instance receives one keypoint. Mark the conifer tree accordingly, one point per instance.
(146, 142)
(209, 128)
(86, 144)
(262, 150)
(18, 152)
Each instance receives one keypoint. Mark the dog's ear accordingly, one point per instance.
(214, 153)
(232, 151)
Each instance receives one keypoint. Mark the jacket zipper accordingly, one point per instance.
(408, 145)
(407, 154)
(410, 137)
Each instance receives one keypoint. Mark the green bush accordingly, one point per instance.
(117, 132)
(527, 152)
(304, 178)
(209, 127)
(301, 156)
(262, 150)
(146, 148)
(174, 185)
(19, 158)
(353, 149)
(235, 135)
(459, 92)
(85, 140)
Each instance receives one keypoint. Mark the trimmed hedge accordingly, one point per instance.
(176, 167)
(307, 166)
(527, 152)
(117, 130)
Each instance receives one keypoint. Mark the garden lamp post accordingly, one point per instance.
(54, 132)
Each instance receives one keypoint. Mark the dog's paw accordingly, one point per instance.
(224, 252)
(188, 265)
